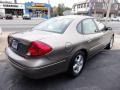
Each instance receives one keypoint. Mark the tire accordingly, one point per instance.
(110, 45)
(77, 59)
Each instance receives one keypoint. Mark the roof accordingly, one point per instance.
(83, 1)
(76, 16)
(38, 8)
(87, 1)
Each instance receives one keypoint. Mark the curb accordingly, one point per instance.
(2, 56)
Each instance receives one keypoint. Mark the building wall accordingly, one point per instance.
(2, 12)
(97, 7)
(10, 6)
(37, 9)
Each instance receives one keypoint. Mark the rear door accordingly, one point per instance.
(91, 36)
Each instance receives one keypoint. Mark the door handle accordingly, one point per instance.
(90, 40)
(103, 36)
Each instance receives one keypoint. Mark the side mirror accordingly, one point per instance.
(108, 28)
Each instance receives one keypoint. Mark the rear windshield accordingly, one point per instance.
(57, 25)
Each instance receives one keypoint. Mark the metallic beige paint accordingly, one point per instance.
(64, 47)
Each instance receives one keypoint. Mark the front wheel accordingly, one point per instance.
(77, 64)
(110, 45)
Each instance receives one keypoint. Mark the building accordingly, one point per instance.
(37, 9)
(11, 8)
(118, 9)
(97, 8)
(67, 12)
(61, 5)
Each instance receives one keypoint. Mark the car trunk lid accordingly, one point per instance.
(19, 42)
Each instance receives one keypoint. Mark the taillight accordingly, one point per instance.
(38, 48)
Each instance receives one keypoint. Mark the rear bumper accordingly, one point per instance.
(37, 72)
(0, 31)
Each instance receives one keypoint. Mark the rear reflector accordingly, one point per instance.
(38, 48)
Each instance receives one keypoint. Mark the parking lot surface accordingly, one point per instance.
(102, 72)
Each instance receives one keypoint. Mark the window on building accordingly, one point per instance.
(84, 5)
(78, 6)
(73, 8)
(81, 5)
(87, 4)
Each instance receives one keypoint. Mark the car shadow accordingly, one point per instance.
(15, 80)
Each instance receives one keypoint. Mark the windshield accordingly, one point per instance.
(57, 25)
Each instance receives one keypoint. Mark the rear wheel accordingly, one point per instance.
(77, 64)
(110, 45)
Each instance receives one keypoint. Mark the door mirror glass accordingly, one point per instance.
(108, 28)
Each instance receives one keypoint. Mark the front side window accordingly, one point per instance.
(89, 26)
(57, 25)
(79, 28)
(100, 25)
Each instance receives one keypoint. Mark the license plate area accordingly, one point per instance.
(15, 44)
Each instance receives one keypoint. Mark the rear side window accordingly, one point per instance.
(89, 26)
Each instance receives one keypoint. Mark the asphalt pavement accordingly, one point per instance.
(102, 72)
(19, 24)
(115, 26)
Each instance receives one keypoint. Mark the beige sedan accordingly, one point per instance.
(60, 44)
(0, 31)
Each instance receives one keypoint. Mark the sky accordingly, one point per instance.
(67, 3)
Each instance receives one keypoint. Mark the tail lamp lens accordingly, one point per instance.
(38, 48)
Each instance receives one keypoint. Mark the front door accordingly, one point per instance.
(106, 35)
(92, 38)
